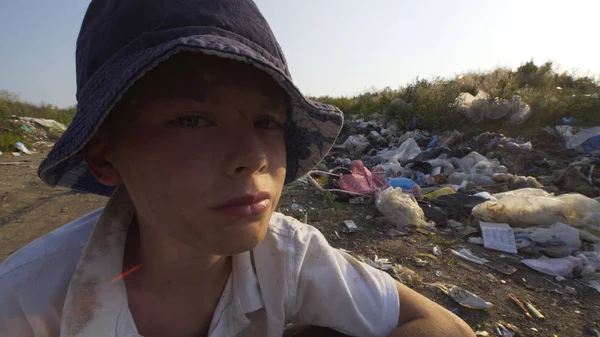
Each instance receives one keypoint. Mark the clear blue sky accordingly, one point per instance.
(335, 47)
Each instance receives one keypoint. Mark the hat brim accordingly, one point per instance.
(309, 137)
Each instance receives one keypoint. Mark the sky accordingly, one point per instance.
(335, 47)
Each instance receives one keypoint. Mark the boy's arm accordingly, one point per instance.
(420, 316)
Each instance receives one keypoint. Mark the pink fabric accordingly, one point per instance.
(362, 180)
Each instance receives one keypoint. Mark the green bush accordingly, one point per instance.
(10, 104)
(550, 95)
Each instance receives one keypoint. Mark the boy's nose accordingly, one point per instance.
(247, 155)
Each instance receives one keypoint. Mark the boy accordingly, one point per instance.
(205, 127)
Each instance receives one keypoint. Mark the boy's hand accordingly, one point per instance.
(420, 316)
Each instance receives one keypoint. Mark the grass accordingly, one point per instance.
(550, 94)
(11, 104)
(336, 207)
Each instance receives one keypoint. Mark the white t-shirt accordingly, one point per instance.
(66, 283)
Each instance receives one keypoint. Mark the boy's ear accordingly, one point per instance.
(95, 154)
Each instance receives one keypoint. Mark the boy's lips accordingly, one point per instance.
(246, 205)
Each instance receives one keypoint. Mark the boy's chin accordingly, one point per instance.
(241, 239)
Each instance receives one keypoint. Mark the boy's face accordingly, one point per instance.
(190, 139)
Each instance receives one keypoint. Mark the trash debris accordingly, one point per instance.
(21, 147)
(360, 200)
(403, 183)
(519, 304)
(377, 263)
(420, 262)
(486, 196)
(350, 226)
(362, 180)
(400, 209)
(296, 207)
(439, 192)
(570, 290)
(437, 251)
(467, 254)
(464, 297)
(475, 240)
(558, 240)
(483, 107)
(355, 145)
(526, 211)
(42, 145)
(524, 192)
(12, 163)
(586, 141)
(503, 331)
(498, 236)
(564, 266)
(573, 180)
(534, 311)
(393, 233)
(481, 333)
(430, 256)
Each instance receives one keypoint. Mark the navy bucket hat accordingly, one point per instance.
(121, 40)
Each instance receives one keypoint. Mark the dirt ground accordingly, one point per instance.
(30, 209)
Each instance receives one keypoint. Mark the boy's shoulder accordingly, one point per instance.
(34, 280)
(66, 240)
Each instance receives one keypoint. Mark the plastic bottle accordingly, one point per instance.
(403, 183)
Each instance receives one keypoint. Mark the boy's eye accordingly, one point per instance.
(268, 123)
(192, 121)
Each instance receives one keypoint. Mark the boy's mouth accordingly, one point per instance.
(246, 205)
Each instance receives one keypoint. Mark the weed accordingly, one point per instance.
(550, 95)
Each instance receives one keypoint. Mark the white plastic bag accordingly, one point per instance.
(483, 167)
(468, 161)
(564, 266)
(408, 150)
(356, 145)
(524, 192)
(400, 209)
(522, 111)
(525, 210)
(558, 240)
(578, 139)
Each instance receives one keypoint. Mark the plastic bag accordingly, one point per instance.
(408, 150)
(522, 111)
(524, 192)
(526, 211)
(564, 266)
(483, 167)
(586, 141)
(400, 209)
(468, 161)
(457, 178)
(464, 297)
(445, 164)
(558, 240)
(482, 180)
(439, 192)
(392, 168)
(356, 145)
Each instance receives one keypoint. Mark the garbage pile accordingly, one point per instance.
(490, 190)
(483, 107)
(39, 132)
